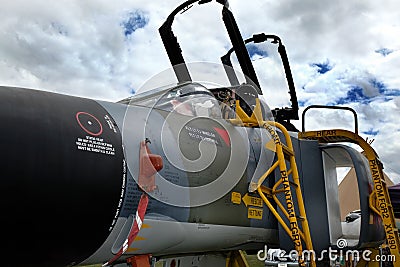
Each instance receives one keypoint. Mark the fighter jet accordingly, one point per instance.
(173, 171)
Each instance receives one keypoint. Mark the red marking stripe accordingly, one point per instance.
(141, 211)
(224, 135)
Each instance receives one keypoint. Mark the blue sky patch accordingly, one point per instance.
(355, 94)
(255, 50)
(302, 103)
(135, 20)
(322, 68)
(371, 132)
(378, 85)
(390, 94)
(383, 90)
(384, 51)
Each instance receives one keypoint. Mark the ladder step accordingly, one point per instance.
(267, 191)
(300, 218)
(287, 151)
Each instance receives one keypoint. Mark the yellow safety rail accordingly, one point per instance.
(285, 154)
(236, 259)
(380, 193)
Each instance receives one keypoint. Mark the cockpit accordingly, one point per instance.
(190, 99)
(194, 99)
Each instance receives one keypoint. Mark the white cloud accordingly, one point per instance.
(79, 48)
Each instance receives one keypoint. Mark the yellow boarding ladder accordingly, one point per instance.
(285, 185)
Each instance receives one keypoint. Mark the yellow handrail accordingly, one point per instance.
(283, 152)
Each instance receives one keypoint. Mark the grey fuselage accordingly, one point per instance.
(70, 168)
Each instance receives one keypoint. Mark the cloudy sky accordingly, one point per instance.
(341, 53)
